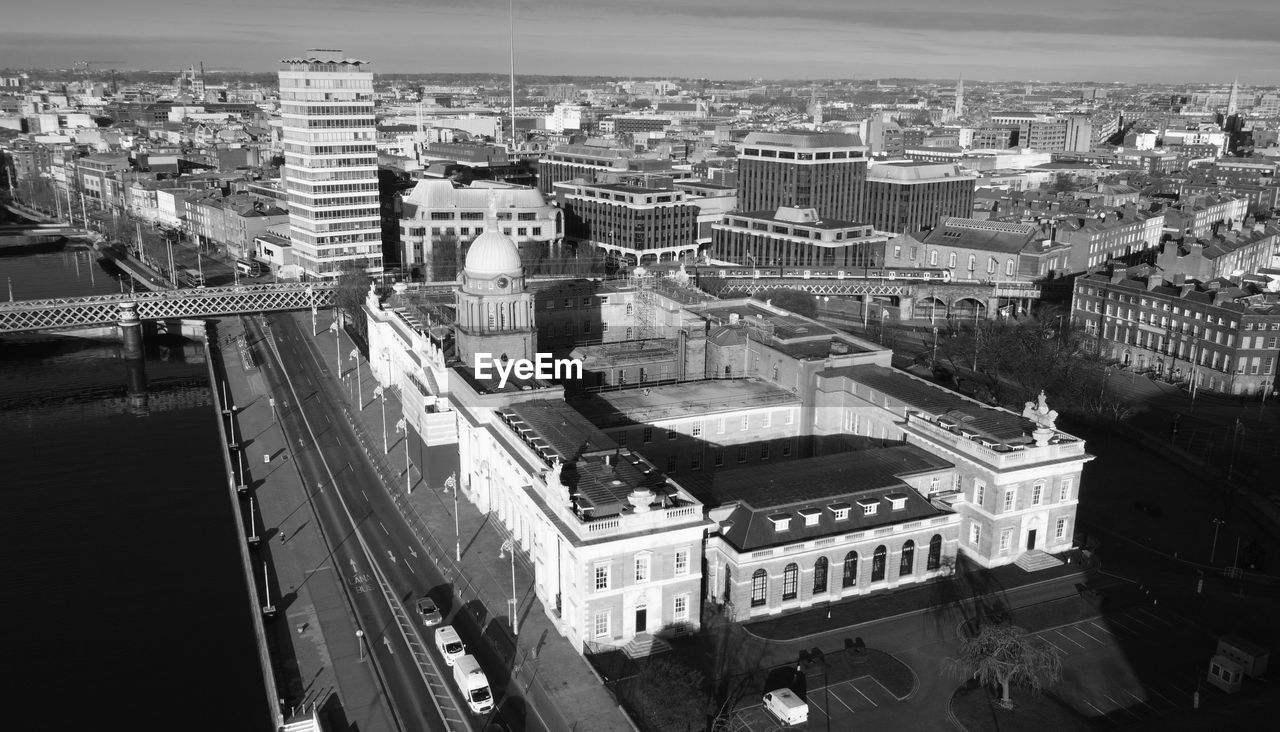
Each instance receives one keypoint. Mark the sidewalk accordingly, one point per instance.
(557, 682)
(314, 649)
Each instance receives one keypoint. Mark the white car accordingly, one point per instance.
(787, 707)
(449, 644)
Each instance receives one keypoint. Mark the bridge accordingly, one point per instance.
(67, 313)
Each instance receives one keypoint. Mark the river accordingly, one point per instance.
(124, 603)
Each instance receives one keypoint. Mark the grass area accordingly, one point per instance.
(978, 710)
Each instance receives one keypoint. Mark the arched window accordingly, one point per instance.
(728, 583)
(991, 265)
(790, 581)
(850, 577)
(1008, 268)
(759, 587)
(951, 260)
(973, 262)
(933, 257)
(935, 553)
(877, 563)
(820, 576)
(908, 564)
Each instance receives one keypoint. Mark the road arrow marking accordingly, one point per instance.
(413, 553)
(392, 556)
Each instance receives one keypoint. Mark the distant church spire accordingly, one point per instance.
(960, 96)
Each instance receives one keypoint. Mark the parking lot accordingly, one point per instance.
(861, 701)
(1131, 667)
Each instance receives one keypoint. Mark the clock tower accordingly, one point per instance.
(494, 311)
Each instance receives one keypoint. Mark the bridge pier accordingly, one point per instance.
(130, 330)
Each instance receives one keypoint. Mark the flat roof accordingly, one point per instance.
(650, 404)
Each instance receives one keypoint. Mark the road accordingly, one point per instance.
(375, 556)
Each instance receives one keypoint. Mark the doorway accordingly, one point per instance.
(1031, 539)
(642, 618)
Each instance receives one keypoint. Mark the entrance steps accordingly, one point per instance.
(1036, 560)
(645, 644)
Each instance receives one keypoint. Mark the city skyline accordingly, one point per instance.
(723, 39)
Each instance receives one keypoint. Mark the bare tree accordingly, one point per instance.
(1003, 656)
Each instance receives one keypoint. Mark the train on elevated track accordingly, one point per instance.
(879, 274)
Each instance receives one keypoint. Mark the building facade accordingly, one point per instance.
(637, 224)
(906, 197)
(823, 171)
(791, 237)
(331, 163)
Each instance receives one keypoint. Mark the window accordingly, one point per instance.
(933, 258)
(908, 563)
(621, 438)
(719, 458)
(979, 492)
(1064, 489)
(1009, 497)
(672, 434)
(951, 260)
(602, 577)
(759, 587)
(786, 449)
(764, 451)
(841, 512)
(602, 624)
(975, 533)
(820, 576)
(849, 576)
(695, 462)
(790, 417)
(790, 581)
(869, 507)
(811, 516)
(878, 562)
(1036, 491)
(721, 428)
(742, 453)
(671, 463)
(642, 568)
(648, 435)
(746, 422)
(935, 553)
(697, 429)
(768, 419)
(1060, 529)
(682, 562)
(680, 609)
(1006, 538)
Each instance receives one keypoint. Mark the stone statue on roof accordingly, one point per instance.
(1040, 413)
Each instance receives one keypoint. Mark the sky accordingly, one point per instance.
(1162, 41)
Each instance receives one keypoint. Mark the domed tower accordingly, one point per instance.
(495, 313)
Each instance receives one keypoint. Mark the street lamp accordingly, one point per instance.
(311, 298)
(355, 356)
(381, 395)
(451, 486)
(1217, 524)
(360, 642)
(510, 546)
(337, 339)
(935, 346)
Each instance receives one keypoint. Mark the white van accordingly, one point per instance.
(473, 684)
(449, 644)
(787, 707)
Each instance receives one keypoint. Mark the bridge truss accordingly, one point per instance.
(204, 302)
(818, 287)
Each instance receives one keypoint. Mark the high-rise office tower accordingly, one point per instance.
(907, 197)
(960, 97)
(1233, 99)
(820, 170)
(331, 163)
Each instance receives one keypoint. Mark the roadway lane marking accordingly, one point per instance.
(410, 566)
(366, 495)
(1073, 640)
(384, 528)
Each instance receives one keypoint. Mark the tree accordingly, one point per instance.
(639, 104)
(1004, 655)
(797, 301)
(667, 695)
(353, 288)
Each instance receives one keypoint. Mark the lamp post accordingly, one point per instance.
(337, 339)
(360, 642)
(311, 298)
(934, 359)
(1217, 524)
(509, 546)
(355, 356)
(403, 426)
(381, 395)
(451, 486)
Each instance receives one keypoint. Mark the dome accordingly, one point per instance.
(493, 253)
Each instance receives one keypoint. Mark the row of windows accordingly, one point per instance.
(602, 623)
(849, 573)
(329, 149)
(641, 565)
(1039, 493)
(743, 424)
(468, 231)
(1006, 535)
(315, 110)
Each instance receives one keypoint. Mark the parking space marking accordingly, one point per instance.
(864, 696)
(1152, 615)
(1104, 630)
(818, 708)
(1139, 622)
(1162, 696)
(1086, 634)
(831, 693)
(1095, 708)
(1055, 646)
(1138, 699)
(1122, 707)
(1116, 621)
(1073, 640)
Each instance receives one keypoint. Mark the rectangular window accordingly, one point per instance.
(602, 624)
(790, 583)
(621, 438)
(697, 429)
(975, 533)
(1064, 490)
(979, 492)
(1009, 496)
(742, 453)
(602, 577)
(786, 449)
(680, 609)
(768, 419)
(790, 418)
(682, 562)
(648, 435)
(719, 459)
(1060, 529)
(672, 434)
(1036, 491)
(671, 463)
(721, 430)
(1006, 538)
(746, 422)
(642, 568)
(695, 462)
(764, 451)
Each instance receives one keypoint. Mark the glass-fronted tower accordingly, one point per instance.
(331, 163)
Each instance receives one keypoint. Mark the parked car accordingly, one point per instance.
(429, 612)
(786, 706)
(449, 644)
